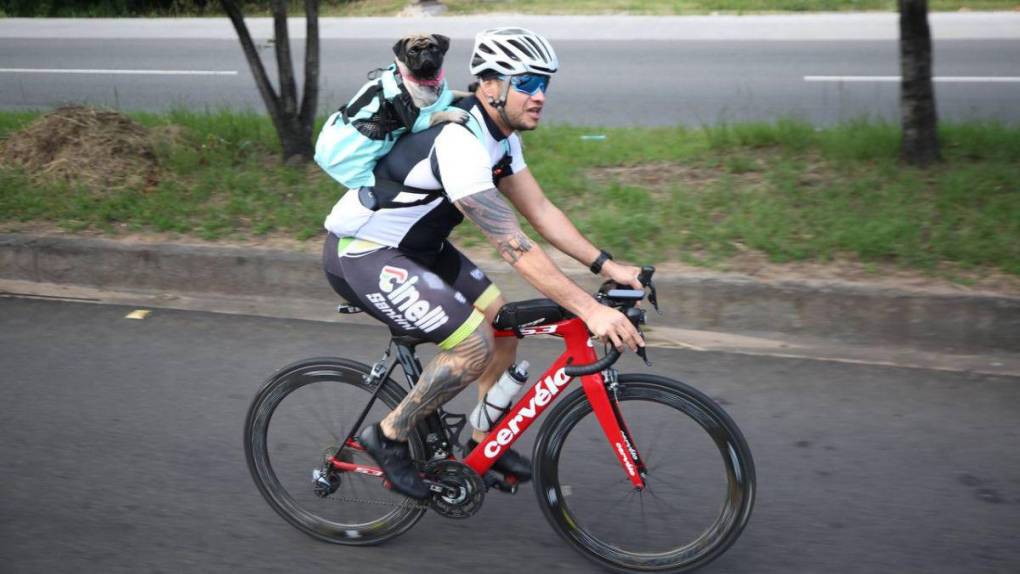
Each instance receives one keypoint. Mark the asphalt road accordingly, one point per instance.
(121, 449)
(620, 83)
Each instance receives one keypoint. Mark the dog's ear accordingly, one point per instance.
(400, 49)
(442, 41)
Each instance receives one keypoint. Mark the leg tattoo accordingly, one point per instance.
(441, 380)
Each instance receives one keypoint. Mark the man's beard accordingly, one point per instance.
(517, 122)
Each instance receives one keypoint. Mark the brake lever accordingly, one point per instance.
(637, 318)
(645, 277)
(643, 353)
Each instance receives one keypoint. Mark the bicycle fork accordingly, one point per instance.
(601, 390)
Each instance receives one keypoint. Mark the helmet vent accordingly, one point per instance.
(538, 48)
(509, 54)
(527, 51)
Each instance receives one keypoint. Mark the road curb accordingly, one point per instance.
(837, 311)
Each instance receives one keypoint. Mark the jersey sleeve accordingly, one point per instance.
(464, 165)
(517, 163)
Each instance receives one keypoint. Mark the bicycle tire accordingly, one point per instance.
(559, 504)
(297, 376)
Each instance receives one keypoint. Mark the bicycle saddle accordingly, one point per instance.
(407, 340)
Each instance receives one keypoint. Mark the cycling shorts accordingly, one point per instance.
(439, 297)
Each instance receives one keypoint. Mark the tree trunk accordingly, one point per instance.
(293, 125)
(310, 100)
(917, 96)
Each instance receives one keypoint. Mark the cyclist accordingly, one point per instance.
(387, 250)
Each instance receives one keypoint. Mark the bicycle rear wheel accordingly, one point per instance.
(295, 424)
(700, 480)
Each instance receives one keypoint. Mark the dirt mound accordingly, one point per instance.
(99, 149)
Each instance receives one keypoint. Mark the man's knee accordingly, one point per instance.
(504, 351)
(506, 347)
(493, 308)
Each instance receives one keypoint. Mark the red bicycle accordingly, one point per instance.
(660, 479)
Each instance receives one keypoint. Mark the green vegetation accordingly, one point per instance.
(791, 192)
(700, 195)
(222, 176)
(115, 8)
(676, 7)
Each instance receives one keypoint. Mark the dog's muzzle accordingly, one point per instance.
(427, 62)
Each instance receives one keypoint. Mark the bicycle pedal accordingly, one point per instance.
(507, 484)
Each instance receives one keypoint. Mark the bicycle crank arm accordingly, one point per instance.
(508, 484)
(442, 489)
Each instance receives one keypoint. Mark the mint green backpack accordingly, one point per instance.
(365, 129)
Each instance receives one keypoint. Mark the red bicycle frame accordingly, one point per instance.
(546, 389)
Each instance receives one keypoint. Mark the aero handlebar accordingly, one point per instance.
(592, 368)
(636, 316)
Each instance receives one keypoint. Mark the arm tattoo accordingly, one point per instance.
(441, 380)
(490, 211)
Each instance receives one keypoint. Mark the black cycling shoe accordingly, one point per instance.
(394, 458)
(512, 462)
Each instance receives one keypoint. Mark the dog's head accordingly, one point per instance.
(422, 54)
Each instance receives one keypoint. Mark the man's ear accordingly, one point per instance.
(489, 86)
(442, 41)
(400, 49)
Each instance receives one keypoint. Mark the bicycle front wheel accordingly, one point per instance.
(700, 480)
(296, 424)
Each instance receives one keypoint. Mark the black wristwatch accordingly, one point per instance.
(604, 256)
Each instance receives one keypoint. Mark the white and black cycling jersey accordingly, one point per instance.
(427, 171)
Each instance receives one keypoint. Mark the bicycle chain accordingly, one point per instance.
(340, 499)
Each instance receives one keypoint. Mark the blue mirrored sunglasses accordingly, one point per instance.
(530, 84)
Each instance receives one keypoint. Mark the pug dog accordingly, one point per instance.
(419, 60)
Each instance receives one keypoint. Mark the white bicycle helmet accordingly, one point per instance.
(510, 51)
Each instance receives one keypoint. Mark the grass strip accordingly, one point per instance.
(355, 8)
(697, 195)
(687, 7)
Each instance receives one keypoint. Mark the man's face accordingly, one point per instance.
(524, 110)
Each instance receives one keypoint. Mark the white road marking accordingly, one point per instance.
(120, 72)
(945, 79)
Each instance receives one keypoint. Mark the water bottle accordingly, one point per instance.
(495, 402)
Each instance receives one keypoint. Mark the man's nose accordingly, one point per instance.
(538, 96)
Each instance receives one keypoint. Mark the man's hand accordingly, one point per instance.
(623, 274)
(609, 324)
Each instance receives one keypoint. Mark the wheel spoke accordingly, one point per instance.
(644, 519)
(618, 480)
(646, 453)
(660, 500)
(616, 502)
